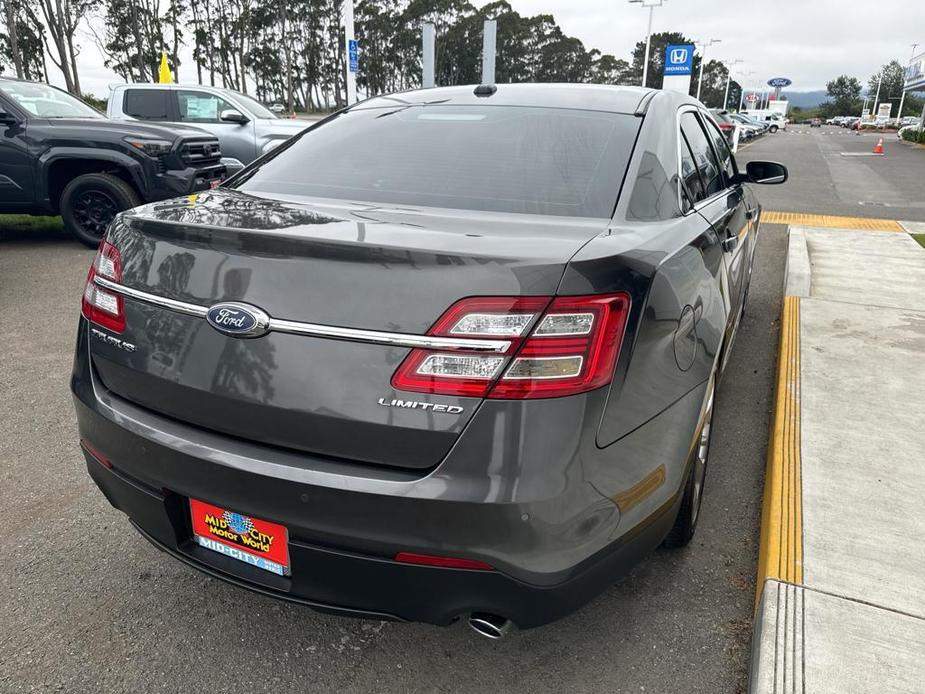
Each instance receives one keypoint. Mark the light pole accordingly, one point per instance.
(902, 99)
(651, 4)
(703, 58)
(745, 76)
(728, 79)
(877, 97)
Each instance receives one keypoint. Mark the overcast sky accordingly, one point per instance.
(808, 41)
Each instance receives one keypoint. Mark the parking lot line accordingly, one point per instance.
(833, 221)
(780, 554)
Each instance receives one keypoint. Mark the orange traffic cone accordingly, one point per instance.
(878, 148)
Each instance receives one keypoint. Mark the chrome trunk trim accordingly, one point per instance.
(332, 332)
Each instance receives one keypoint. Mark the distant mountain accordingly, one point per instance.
(806, 99)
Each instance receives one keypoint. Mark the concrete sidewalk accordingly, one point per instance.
(841, 594)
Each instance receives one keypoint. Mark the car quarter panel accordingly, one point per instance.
(678, 318)
(674, 263)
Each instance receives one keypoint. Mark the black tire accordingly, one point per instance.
(91, 201)
(773, 128)
(686, 523)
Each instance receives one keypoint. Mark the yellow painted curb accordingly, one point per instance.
(833, 221)
(780, 554)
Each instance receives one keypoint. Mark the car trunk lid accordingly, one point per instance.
(349, 266)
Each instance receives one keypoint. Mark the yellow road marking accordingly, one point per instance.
(780, 554)
(827, 220)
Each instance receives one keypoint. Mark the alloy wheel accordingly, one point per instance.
(700, 460)
(93, 211)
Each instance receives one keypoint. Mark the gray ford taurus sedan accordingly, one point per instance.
(447, 354)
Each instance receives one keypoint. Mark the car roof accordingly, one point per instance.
(595, 97)
(174, 85)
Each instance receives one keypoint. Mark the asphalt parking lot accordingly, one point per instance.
(88, 605)
(833, 171)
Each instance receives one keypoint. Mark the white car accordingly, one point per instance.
(774, 119)
(245, 128)
(277, 108)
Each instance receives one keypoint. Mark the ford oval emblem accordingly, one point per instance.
(238, 320)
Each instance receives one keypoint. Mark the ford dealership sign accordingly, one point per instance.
(779, 82)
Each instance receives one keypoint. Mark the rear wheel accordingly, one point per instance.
(688, 515)
(773, 128)
(90, 202)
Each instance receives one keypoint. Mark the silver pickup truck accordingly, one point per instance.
(245, 128)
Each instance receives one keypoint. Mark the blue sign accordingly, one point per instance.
(779, 82)
(679, 60)
(915, 74)
(354, 55)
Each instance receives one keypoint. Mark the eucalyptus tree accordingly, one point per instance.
(21, 42)
(59, 20)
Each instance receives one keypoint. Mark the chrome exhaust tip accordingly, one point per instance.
(491, 626)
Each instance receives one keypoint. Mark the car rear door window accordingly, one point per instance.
(692, 188)
(722, 150)
(201, 107)
(147, 104)
(704, 158)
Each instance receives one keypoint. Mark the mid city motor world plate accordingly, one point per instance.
(259, 543)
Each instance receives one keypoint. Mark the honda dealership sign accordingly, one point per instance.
(915, 74)
(679, 64)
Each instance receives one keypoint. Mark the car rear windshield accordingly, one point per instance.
(494, 158)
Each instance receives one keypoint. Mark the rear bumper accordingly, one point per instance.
(556, 538)
(358, 585)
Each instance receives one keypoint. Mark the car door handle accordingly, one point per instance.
(730, 241)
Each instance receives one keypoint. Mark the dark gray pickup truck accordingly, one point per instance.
(60, 156)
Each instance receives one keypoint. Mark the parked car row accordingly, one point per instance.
(854, 122)
(850, 122)
(747, 126)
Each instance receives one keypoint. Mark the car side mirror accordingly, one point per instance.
(769, 172)
(232, 116)
(7, 118)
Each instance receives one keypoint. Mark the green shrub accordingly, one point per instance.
(913, 136)
(98, 104)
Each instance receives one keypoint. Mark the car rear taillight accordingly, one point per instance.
(95, 454)
(99, 305)
(557, 346)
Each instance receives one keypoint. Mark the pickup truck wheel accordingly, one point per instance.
(90, 202)
(773, 128)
